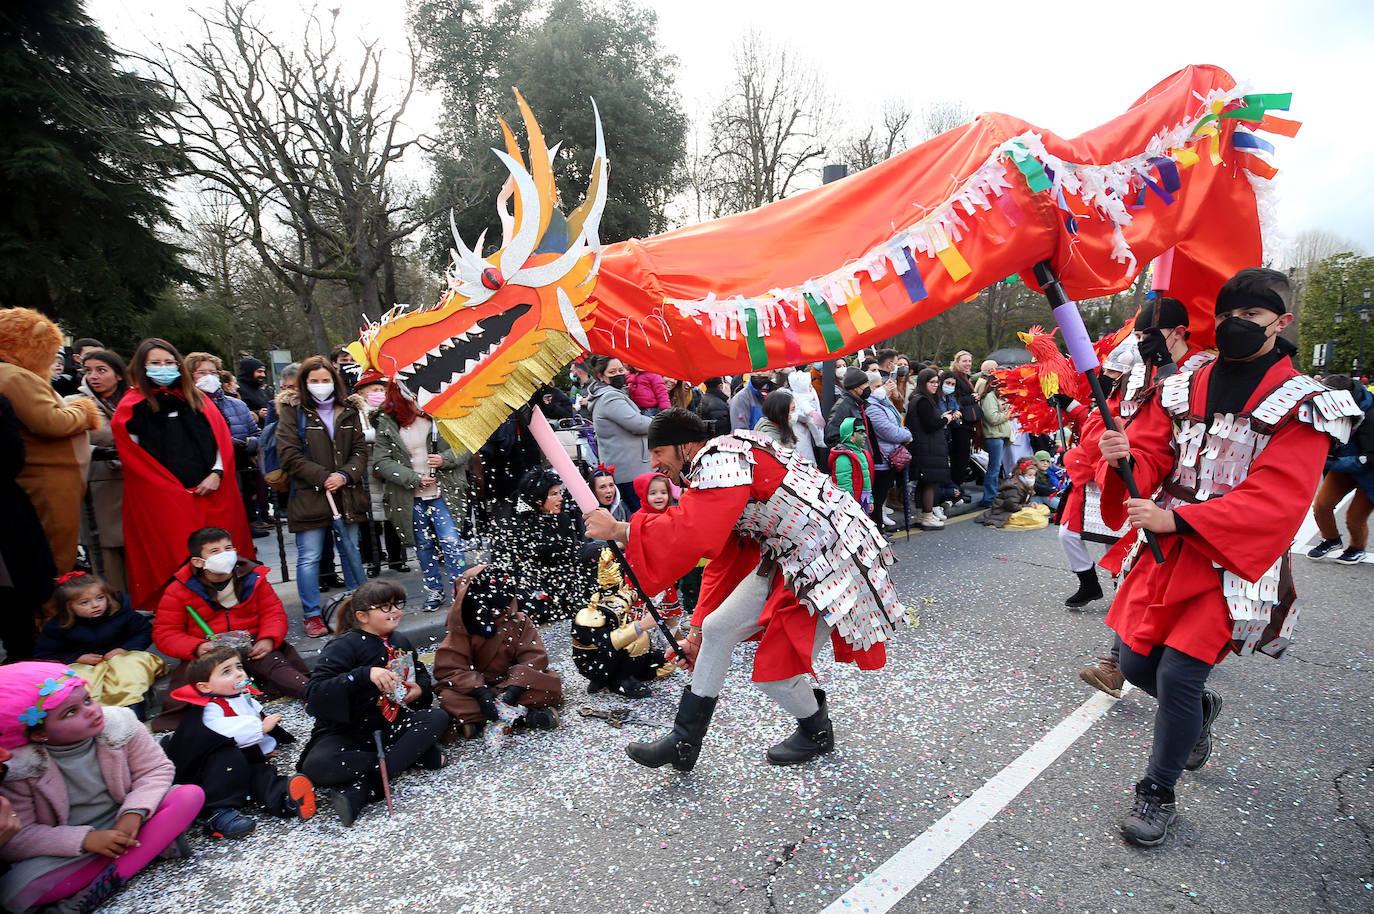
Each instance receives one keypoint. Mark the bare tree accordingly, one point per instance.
(879, 143)
(771, 127)
(938, 117)
(302, 142)
(1315, 245)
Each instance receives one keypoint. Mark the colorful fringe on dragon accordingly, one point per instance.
(842, 266)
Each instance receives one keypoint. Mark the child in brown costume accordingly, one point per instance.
(493, 653)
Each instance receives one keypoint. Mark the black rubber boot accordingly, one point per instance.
(812, 737)
(349, 801)
(1088, 590)
(681, 747)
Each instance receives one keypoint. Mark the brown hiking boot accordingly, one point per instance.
(1106, 676)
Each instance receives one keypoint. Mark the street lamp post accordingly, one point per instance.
(1364, 323)
(1364, 311)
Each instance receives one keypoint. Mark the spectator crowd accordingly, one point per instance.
(137, 488)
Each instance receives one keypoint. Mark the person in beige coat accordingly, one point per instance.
(54, 432)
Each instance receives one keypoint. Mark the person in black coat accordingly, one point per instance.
(715, 407)
(67, 637)
(27, 569)
(369, 679)
(540, 546)
(930, 447)
(553, 403)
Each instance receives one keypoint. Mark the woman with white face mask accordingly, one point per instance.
(179, 469)
(322, 445)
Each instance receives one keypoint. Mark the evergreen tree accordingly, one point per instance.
(82, 174)
(579, 51)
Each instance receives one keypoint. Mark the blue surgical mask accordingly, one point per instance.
(947, 388)
(163, 375)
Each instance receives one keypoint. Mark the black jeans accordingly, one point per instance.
(1176, 681)
(882, 484)
(960, 449)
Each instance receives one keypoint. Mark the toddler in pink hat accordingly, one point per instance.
(91, 789)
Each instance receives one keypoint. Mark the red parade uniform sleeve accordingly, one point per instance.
(664, 547)
(1152, 457)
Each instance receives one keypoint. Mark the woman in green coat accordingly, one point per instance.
(424, 488)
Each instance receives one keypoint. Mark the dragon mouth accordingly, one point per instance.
(433, 373)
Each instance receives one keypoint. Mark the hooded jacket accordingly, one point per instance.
(345, 452)
(54, 432)
(259, 610)
(392, 470)
(622, 431)
(256, 395)
(850, 464)
(136, 772)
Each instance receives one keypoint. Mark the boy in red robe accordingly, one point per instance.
(823, 575)
(1235, 451)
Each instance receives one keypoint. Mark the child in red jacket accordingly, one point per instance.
(655, 492)
(227, 594)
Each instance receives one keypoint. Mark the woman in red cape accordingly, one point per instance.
(159, 511)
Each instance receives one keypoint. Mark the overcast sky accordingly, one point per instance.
(1064, 66)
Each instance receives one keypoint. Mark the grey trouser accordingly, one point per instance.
(736, 620)
(1075, 549)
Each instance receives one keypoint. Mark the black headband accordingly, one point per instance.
(1259, 298)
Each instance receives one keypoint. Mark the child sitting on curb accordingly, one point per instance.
(224, 750)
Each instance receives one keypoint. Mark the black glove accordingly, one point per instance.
(1153, 348)
(486, 698)
(512, 694)
(104, 453)
(1063, 401)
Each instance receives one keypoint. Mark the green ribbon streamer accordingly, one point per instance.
(758, 350)
(1030, 166)
(834, 340)
(1254, 109)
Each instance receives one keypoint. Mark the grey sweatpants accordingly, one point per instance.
(736, 620)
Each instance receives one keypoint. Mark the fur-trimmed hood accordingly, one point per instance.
(31, 759)
(292, 398)
(29, 339)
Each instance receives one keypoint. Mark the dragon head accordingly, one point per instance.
(505, 323)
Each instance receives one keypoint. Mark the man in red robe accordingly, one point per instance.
(1161, 349)
(794, 561)
(1235, 451)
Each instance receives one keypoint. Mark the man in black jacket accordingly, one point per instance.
(851, 406)
(715, 407)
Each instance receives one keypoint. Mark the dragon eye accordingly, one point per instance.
(492, 278)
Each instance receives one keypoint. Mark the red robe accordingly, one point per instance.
(1180, 603)
(664, 547)
(160, 513)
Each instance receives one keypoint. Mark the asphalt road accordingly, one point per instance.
(1279, 820)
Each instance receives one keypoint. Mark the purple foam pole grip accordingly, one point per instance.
(1076, 336)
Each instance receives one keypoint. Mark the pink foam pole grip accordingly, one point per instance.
(560, 461)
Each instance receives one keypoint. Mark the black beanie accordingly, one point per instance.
(677, 426)
(1171, 313)
(854, 377)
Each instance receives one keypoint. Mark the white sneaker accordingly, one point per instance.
(930, 521)
(938, 512)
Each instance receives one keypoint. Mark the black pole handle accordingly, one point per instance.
(644, 597)
(1049, 284)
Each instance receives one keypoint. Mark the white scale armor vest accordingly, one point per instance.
(1212, 458)
(829, 551)
(1137, 391)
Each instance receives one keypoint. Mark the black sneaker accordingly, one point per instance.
(1351, 556)
(1149, 821)
(228, 823)
(1323, 549)
(1211, 707)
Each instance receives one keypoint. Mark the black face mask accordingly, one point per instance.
(1238, 338)
(618, 382)
(868, 392)
(1153, 347)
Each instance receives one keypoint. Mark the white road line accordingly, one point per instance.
(903, 871)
